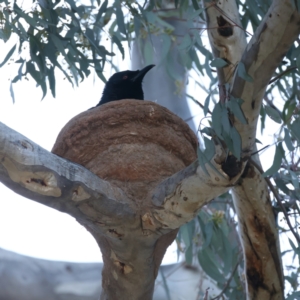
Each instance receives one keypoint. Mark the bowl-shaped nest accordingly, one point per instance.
(133, 144)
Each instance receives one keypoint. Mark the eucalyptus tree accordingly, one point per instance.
(248, 76)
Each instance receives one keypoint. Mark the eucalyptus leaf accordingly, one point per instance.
(241, 70)
(273, 114)
(8, 55)
(52, 80)
(235, 108)
(102, 10)
(298, 63)
(288, 140)
(225, 120)
(279, 155)
(295, 128)
(206, 105)
(195, 14)
(209, 231)
(120, 18)
(294, 179)
(148, 52)
(166, 46)
(119, 44)
(195, 4)
(137, 26)
(209, 266)
(202, 160)
(293, 296)
(186, 42)
(218, 63)
(217, 119)
(189, 254)
(281, 185)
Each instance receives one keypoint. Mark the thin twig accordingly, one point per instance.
(192, 117)
(206, 294)
(228, 281)
(281, 74)
(277, 197)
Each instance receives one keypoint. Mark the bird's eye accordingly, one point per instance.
(125, 77)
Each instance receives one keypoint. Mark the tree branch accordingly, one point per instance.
(35, 173)
(277, 197)
(272, 39)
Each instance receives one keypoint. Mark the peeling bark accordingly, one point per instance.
(263, 54)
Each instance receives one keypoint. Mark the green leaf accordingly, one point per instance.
(242, 72)
(51, 79)
(195, 4)
(101, 10)
(225, 120)
(189, 254)
(202, 160)
(137, 26)
(281, 184)
(206, 105)
(218, 63)
(187, 233)
(5, 33)
(195, 14)
(288, 140)
(148, 52)
(216, 119)
(294, 179)
(151, 17)
(279, 155)
(166, 46)
(288, 110)
(298, 63)
(235, 107)
(26, 17)
(209, 231)
(119, 44)
(209, 151)
(186, 42)
(293, 296)
(120, 18)
(295, 129)
(208, 261)
(293, 245)
(8, 55)
(273, 114)
(58, 44)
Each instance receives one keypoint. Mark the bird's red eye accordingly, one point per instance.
(125, 77)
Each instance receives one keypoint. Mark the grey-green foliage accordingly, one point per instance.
(212, 239)
(75, 39)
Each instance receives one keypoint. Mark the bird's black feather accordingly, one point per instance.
(124, 85)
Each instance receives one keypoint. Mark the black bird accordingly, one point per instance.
(124, 85)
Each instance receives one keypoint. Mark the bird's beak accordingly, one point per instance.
(140, 75)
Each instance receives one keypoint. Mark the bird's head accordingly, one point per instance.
(125, 85)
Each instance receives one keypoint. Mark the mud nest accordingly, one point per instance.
(132, 144)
